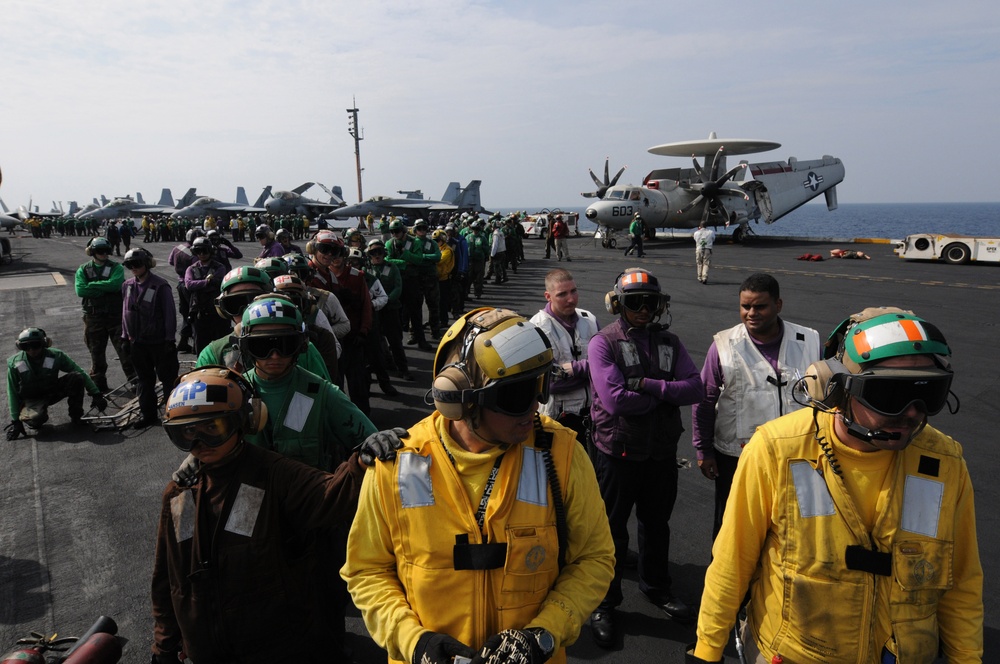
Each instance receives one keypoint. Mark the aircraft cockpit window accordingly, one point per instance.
(616, 195)
(633, 195)
(286, 195)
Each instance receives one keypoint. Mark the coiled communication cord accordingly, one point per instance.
(825, 446)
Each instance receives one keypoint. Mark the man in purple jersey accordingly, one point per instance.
(748, 375)
(640, 376)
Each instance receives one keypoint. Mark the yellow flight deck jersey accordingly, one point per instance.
(413, 558)
(832, 579)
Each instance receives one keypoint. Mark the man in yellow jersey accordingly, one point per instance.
(485, 537)
(852, 522)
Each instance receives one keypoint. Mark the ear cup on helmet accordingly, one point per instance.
(447, 393)
(611, 303)
(823, 382)
(86, 249)
(256, 415)
(311, 248)
(150, 262)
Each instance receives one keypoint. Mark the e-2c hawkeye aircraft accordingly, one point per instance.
(684, 197)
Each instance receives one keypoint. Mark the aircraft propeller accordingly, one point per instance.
(602, 187)
(711, 187)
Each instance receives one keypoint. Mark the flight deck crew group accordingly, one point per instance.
(844, 524)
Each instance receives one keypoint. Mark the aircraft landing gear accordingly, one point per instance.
(741, 234)
(607, 237)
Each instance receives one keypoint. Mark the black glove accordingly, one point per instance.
(99, 402)
(434, 648)
(511, 646)
(689, 657)
(165, 658)
(382, 445)
(15, 429)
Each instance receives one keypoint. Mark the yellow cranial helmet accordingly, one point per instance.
(491, 358)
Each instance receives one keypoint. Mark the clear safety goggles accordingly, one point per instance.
(208, 433)
(891, 391)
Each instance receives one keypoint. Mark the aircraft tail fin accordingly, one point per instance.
(138, 198)
(3, 206)
(73, 209)
(264, 195)
(452, 193)
(469, 198)
(241, 196)
(188, 198)
(336, 194)
(104, 200)
(166, 198)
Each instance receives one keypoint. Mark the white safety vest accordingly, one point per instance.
(562, 352)
(752, 394)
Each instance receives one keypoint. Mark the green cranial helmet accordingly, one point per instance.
(275, 267)
(98, 244)
(877, 334)
(296, 263)
(31, 335)
(271, 310)
(396, 225)
(248, 275)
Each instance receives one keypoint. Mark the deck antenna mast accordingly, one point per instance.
(359, 135)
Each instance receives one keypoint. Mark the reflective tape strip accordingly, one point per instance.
(513, 348)
(49, 362)
(811, 490)
(635, 278)
(414, 476)
(532, 486)
(182, 510)
(298, 412)
(889, 333)
(22, 366)
(922, 505)
(243, 516)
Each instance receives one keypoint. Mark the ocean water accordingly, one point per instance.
(876, 220)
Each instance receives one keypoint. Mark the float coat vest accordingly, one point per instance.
(905, 563)
(752, 394)
(447, 564)
(651, 435)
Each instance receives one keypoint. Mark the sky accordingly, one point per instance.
(116, 97)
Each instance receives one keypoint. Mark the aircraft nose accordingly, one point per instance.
(591, 213)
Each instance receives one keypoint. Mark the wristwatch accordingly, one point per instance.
(546, 642)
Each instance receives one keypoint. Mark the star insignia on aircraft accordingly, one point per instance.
(813, 181)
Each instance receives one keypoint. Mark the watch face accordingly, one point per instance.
(546, 641)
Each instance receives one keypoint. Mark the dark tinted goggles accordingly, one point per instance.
(891, 392)
(209, 433)
(636, 301)
(327, 249)
(236, 303)
(261, 347)
(133, 264)
(517, 397)
(30, 345)
(100, 252)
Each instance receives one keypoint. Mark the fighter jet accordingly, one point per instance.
(293, 202)
(206, 205)
(455, 199)
(684, 197)
(8, 220)
(125, 206)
